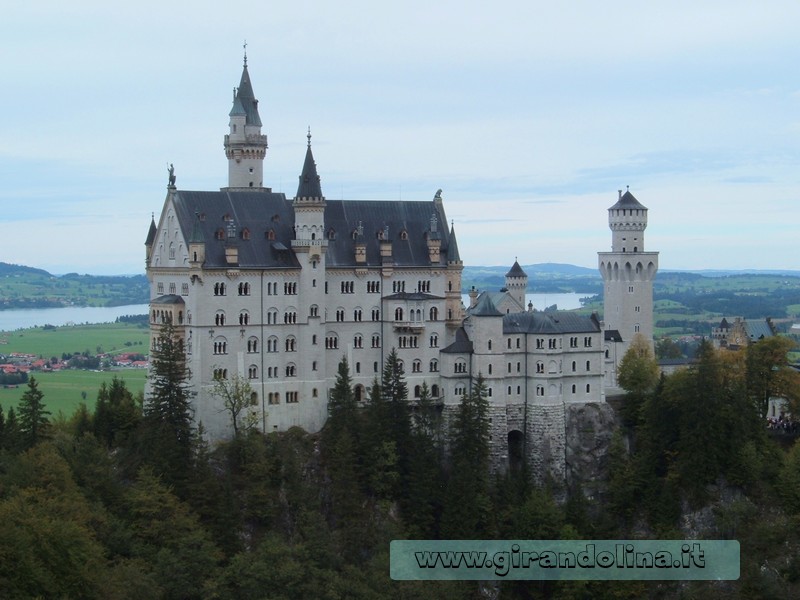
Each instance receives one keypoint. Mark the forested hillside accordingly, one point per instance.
(129, 501)
(25, 287)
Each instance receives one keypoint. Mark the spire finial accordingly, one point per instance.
(245, 52)
(309, 136)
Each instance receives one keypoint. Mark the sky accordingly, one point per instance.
(529, 115)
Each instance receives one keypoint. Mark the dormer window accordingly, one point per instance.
(245, 234)
(331, 234)
(404, 235)
(220, 234)
(270, 234)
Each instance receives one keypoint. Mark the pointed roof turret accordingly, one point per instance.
(246, 98)
(452, 248)
(151, 234)
(627, 200)
(516, 271)
(309, 186)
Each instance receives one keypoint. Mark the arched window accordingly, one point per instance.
(416, 366)
(434, 366)
(398, 314)
(252, 372)
(435, 391)
(433, 314)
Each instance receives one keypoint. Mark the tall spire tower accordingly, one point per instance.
(245, 147)
(628, 273)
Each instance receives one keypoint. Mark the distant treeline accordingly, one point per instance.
(133, 319)
(755, 305)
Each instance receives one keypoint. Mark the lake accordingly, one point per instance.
(564, 301)
(37, 317)
(69, 315)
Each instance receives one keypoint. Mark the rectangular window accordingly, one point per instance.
(184, 289)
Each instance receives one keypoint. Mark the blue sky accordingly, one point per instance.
(529, 116)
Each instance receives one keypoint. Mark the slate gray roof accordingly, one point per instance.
(247, 100)
(549, 322)
(758, 329)
(309, 186)
(151, 233)
(452, 248)
(516, 271)
(627, 200)
(461, 345)
(168, 299)
(412, 296)
(263, 211)
(485, 307)
(612, 335)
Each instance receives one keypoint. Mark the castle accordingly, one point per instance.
(278, 290)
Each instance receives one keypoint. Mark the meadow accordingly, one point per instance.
(65, 390)
(111, 338)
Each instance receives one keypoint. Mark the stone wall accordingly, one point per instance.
(588, 437)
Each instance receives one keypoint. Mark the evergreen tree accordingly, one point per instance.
(395, 394)
(168, 437)
(467, 502)
(340, 450)
(10, 440)
(423, 494)
(116, 413)
(33, 421)
(379, 451)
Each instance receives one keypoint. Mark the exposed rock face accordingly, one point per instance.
(588, 436)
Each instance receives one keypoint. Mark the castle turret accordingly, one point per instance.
(455, 266)
(628, 273)
(245, 147)
(517, 284)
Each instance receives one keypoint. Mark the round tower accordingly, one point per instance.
(245, 147)
(628, 272)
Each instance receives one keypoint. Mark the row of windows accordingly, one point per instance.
(172, 289)
(416, 366)
(292, 397)
(415, 315)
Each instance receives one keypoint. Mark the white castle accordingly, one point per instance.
(277, 290)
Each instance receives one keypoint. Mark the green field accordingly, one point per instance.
(64, 391)
(104, 337)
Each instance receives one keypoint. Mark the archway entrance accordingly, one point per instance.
(516, 450)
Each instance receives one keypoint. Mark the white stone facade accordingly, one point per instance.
(278, 290)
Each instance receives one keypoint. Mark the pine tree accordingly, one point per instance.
(116, 413)
(467, 504)
(169, 438)
(423, 493)
(10, 439)
(33, 421)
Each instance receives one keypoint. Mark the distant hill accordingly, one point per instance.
(28, 287)
(10, 270)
